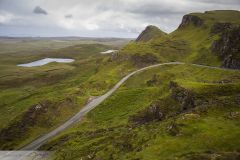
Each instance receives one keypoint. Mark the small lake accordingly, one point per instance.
(109, 51)
(46, 61)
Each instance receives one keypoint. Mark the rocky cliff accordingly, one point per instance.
(227, 47)
(191, 19)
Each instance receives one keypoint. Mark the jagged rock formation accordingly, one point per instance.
(191, 19)
(228, 46)
(150, 33)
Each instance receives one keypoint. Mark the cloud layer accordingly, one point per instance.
(39, 10)
(99, 18)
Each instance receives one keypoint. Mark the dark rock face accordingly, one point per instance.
(191, 19)
(153, 113)
(220, 27)
(183, 96)
(142, 60)
(228, 48)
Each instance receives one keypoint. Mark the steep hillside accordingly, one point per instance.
(208, 38)
(151, 32)
(170, 112)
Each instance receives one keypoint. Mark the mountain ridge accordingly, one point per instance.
(193, 41)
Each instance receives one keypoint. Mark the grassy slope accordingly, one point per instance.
(66, 86)
(107, 133)
(150, 33)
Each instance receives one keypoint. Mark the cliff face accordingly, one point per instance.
(191, 19)
(228, 46)
(220, 27)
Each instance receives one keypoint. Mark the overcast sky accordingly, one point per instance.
(98, 18)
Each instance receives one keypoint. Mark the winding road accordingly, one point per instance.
(92, 104)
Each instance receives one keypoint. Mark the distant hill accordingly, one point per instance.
(210, 38)
(150, 33)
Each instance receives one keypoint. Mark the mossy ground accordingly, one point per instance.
(107, 133)
(91, 74)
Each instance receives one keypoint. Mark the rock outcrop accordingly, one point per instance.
(228, 47)
(184, 96)
(191, 19)
(179, 101)
(143, 60)
(152, 113)
(220, 27)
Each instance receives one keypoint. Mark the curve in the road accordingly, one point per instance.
(77, 117)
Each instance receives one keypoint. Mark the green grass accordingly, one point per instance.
(106, 131)
(150, 33)
(91, 74)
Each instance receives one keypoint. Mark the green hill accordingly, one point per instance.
(204, 38)
(151, 32)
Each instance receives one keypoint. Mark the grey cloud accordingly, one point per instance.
(229, 2)
(112, 18)
(39, 10)
(155, 10)
(69, 16)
